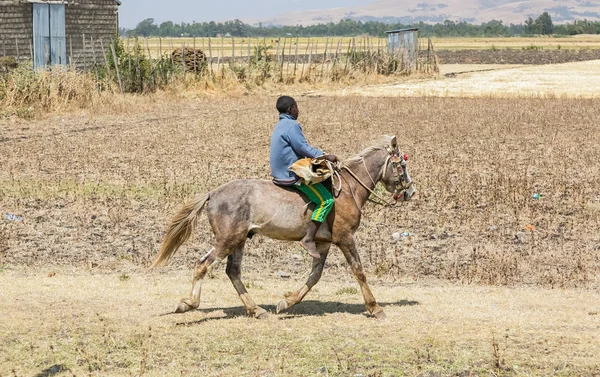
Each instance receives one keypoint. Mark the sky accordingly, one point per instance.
(133, 11)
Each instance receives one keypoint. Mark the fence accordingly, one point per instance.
(133, 64)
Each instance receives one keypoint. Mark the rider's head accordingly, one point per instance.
(287, 105)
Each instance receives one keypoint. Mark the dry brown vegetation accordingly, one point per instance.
(97, 188)
(108, 185)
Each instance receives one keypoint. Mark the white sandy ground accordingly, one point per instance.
(574, 80)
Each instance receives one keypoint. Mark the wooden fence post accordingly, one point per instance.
(71, 52)
(107, 67)
(17, 44)
(128, 56)
(296, 59)
(210, 56)
(310, 58)
(96, 66)
(195, 57)
(324, 56)
(232, 50)
(83, 53)
(305, 53)
(114, 55)
(282, 60)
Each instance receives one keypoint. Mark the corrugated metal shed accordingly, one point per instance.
(57, 31)
(404, 41)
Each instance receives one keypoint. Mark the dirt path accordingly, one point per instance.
(117, 324)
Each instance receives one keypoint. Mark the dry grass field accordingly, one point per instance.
(227, 46)
(499, 274)
(490, 281)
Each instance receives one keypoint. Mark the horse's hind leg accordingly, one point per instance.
(234, 271)
(292, 298)
(202, 267)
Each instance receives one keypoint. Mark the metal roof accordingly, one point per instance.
(402, 30)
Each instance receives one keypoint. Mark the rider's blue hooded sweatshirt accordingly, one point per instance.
(288, 145)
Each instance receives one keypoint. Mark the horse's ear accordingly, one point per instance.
(394, 142)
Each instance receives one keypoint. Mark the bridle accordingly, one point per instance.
(402, 182)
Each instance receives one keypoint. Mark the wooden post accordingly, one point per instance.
(276, 54)
(183, 57)
(296, 59)
(17, 44)
(161, 61)
(232, 50)
(107, 66)
(195, 57)
(287, 66)
(93, 52)
(210, 55)
(128, 56)
(249, 52)
(282, 60)
(71, 52)
(305, 53)
(31, 49)
(96, 66)
(114, 55)
(347, 56)
(171, 55)
(150, 60)
(4, 46)
(148, 50)
(324, 56)
(310, 59)
(84, 59)
(138, 70)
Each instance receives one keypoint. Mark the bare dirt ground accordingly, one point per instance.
(489, 281)
(81, 323)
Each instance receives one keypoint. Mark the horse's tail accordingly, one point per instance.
(181, 228)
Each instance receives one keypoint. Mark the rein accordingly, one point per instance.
(383, 201)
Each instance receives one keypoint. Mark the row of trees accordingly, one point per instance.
(541, 25)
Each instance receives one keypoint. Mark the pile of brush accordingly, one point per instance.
(193, 59)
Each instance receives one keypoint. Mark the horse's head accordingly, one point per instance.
(395, 173)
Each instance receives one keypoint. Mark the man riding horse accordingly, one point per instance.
(243, 208)
(288, 145)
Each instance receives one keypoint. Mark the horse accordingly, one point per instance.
(242, 208)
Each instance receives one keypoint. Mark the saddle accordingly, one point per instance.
(312, 170)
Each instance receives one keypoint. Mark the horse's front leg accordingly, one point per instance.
(348, 247)
(292, 298)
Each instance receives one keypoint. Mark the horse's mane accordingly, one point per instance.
(382, 142)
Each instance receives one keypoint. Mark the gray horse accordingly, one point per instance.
(239, 209)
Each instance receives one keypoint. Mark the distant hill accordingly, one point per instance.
(435, 11)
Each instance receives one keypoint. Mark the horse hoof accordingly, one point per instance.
(380, 315)
(282, 306)
(261, 314)
(183, 307)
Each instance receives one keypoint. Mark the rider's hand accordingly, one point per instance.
(331, 157)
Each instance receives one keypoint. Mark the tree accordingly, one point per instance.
(146, 28)
(529, 26)
(544, 24)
